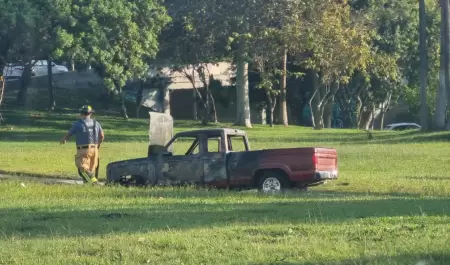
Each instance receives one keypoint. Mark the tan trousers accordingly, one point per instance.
(86, 160)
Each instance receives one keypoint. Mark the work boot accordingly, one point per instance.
(93, 180)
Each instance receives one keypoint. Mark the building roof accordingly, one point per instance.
(220, 71)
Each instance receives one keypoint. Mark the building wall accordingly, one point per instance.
(182, 108)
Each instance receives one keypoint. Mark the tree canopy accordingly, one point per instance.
(361, 54)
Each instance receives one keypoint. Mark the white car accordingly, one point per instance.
(40, 68)
(15, 70)
(403, 126)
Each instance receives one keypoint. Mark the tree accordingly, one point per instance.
(378, 87)
(397, 39)
(270, 55)
(268, 82)
(37, 33)
(335, 44)
(18, 35)
(17, 20)
(266, 30)
(191, 52)
(202, 72)
(119, 37)
(235, 25)
(54, 39)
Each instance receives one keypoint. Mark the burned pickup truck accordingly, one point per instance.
(222, 158)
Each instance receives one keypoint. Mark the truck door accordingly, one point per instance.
(214, 162)
(186, 165)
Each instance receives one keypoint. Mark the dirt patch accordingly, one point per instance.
(44, 180)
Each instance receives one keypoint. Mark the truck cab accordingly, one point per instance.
(200, 156)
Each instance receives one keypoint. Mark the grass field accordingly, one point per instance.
(391, 204)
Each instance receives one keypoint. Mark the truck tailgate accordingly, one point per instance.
(325, 159)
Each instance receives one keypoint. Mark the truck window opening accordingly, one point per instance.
(214, 144)
(186, 146)
(236, 143)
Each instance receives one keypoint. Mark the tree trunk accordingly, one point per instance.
(317, 117)
(263, 113)
(207, 108)
(384, 109)
(166, 103)
(382, 119)
(314, 103)
(242, 100)
(446, 53)
(72, 64)
(213, 111)
(272, 102)
(194, 107)
(105, 98)
(316, 112)
(358, 111)
(423, 69)
(441, 95)
(283, 105)
(139, 97)
(2, 90)
(51, 92)
(372, 119)
(366, 119)
(24, 83)
(123, 108)
(271, 117)
(328, 113)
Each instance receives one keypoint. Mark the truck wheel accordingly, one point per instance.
(273, 182)
(132, 181)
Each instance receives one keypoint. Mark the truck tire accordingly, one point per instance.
(132, 181)
(273, 181)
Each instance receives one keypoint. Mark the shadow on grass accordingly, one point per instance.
(415, 137)
(145, 216)
(52, 136)
(63, 121)
(58, 121)
(117, 125)
(190, 192)
(360, 138)
(432, 258)
(14, 135)
(36, 177)
(427, 178)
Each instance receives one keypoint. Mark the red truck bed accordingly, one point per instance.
(305, 163)
(299, 166)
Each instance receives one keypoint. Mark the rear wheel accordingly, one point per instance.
(272, 181)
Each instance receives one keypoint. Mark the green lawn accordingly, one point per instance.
(391, 204)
